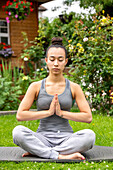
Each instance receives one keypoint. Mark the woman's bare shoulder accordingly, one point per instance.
(75, 89)
(34, 88)
(36, 84)
(74, 85)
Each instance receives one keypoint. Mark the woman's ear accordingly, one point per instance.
(66, 61)
(46, 59)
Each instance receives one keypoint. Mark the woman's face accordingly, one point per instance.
(56, 60)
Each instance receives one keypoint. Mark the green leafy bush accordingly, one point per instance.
(10, 90)
(24, 82)
(91, 51)
(33, 51)
(9, 95)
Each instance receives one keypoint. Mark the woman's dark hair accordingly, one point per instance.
(56, 42)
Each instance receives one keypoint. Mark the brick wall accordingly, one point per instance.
(29, 25)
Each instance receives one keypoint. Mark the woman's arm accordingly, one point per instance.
(23, 113)
(85, 113)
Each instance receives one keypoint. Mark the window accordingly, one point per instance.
(4, 32)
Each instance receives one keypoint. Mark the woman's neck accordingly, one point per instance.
(55, 78)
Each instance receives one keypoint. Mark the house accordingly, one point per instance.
(41, 9)
(10, 33)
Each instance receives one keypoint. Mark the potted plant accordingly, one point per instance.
(17, 9)
(5, 50)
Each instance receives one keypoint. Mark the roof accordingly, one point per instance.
(42, 8)
(41, 1)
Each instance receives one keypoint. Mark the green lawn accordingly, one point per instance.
(101, 125)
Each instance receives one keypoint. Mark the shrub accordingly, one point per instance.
(10, 90)
(91, 51)
(9, 95)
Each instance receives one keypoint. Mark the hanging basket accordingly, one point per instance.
(17, 9)
(5, 51)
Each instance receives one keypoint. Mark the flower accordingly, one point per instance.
(85, 39)
(5, 50)
(71, 48)
(91, 54)
(41, 69)
(16, 16)
(9, 13)
(93, 109)
(79, 45)
(25, 78)
(81, 50)
(103, 11)
(17, 9)
(69, 41)
(112, 93)
(25, 59)
(104, 19)
(111, 96)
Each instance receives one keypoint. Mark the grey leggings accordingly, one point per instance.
(49, 147)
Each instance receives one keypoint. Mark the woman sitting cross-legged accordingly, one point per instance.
(54, 138)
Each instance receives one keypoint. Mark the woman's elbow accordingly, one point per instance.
(89, 119)
(18, 117)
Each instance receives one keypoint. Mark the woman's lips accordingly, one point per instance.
(55, 69)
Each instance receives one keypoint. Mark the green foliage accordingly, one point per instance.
(40, 74)
(57, 28)
(87, 3)
(10, 90)
(100, 5)
(91, 51)
(9, 73)
(33, 51)
(9, 95)
(24, 82)
(47, 29)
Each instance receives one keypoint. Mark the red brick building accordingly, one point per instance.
(10, 33)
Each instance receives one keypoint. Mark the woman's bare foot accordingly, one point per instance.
(26, 154)
(76, 155)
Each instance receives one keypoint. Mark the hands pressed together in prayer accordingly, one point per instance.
(55, 107)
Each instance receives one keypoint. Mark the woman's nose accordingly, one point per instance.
(56, 62)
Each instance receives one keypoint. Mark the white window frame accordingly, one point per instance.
(5, 34)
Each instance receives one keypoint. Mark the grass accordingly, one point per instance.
(101, 125)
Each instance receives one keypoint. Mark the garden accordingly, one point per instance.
(89, 43)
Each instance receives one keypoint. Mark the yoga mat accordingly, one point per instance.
(96, 154)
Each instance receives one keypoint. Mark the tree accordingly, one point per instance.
(99, 5)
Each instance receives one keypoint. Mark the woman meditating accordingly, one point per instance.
(54, 138)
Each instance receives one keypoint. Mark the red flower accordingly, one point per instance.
(4, 47)
(6, 12)
(14, 0)
(16, 6)
(24, 6)
(8, 3)
(11, 3)
(31, 3)
(3, 6)
(21, 2)
(31, 10)
(3, 43)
